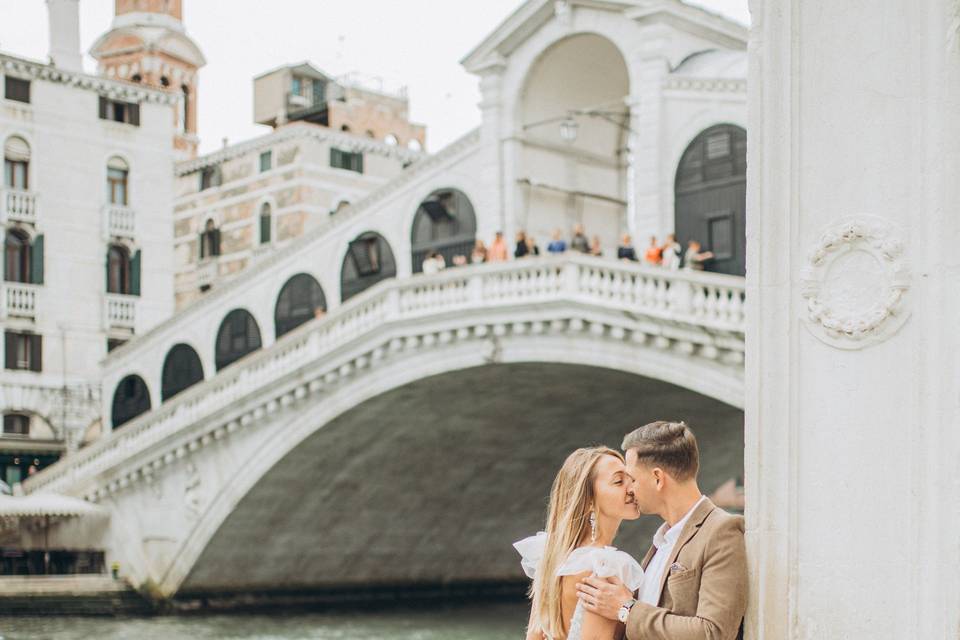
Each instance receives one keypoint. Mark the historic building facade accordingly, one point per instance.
(85, 206)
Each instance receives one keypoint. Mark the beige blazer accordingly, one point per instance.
(703, 592)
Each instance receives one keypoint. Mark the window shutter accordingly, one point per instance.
(106, 270)
(6, 263)
(36, 261)
(202, 252)
(135, 114)
(10, 350)
(36, 352)
(135, 274)
(359, 162)
(216, 242)
(103, 108)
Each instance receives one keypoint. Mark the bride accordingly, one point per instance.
(590, 497)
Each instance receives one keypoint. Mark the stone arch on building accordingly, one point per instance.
(300, 300)
(368, 260)
(574, 124)
(445, 223)
(131, 398)
(710, 196)
(182, 369)
(238, 335)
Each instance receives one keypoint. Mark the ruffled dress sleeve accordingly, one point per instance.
(604, 562)
(531, 551)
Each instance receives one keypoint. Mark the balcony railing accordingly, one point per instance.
(17, 205)
(120, 311)
(20, 300)
(119, 220)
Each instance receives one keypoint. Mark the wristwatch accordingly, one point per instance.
(625, 610)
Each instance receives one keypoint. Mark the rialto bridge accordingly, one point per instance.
(331, 418)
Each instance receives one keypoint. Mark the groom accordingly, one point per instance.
(695, 584)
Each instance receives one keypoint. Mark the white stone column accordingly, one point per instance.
(497, 210)
(853, 348)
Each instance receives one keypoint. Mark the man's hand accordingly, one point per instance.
(603, 596)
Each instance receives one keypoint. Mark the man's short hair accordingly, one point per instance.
(668, 445)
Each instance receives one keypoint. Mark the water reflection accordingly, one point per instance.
(477, 622)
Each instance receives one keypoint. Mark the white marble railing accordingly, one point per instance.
(709, 302)
(120, 221)
(120, 311)
(17, 205)
(20, 300)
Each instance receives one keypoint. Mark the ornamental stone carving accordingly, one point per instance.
(855, 283)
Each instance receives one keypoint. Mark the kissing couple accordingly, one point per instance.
(692, 584)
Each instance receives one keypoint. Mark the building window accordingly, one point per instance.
(131, 399)
(340, 159)
(210, 177)
(136, 78)
(113, 343)
(185, 109)
(117, 179)
(16, 163)
(16, 89)
(301, 299)
(125, 112)
(366, 255)
(209, 240)
(23, 351)
(16, 424)
(164, 81)
(296, 86)
(266, 161)
(181, 369)
(123, 271)
(23, 260)
(266, 221)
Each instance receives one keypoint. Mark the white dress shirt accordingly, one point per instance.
(664, 540)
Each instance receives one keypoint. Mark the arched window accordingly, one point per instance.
(117, 176)
(300, 300)
(17, 258)
(209, 240)
(120, 270)
(181, 369)
(266, 223)
(130, 399)
(16, 424)
(16, 163)
(238, 336)
(710, 197)
(444, 223)
(185, 109)
(369, 260)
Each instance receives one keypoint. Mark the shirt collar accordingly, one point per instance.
(668, 536)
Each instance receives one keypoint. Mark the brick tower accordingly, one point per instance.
(147, 43)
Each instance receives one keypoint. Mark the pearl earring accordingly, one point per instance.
(593, 526)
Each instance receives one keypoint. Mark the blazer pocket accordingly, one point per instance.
(684, 590)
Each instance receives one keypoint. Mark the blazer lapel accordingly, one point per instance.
(689, 530)
(647, 558)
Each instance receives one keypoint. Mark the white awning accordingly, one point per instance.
(16, 148)
(48, 505)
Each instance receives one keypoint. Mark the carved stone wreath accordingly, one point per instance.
(855, 283)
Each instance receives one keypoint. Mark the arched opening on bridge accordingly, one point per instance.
(369, 260)
(301, 299)
(575, 124)
(432, 481)
(238, 336)
(445, 222)
(130, 399)
(710, 197)
(181, 369)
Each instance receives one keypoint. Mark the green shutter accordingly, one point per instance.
(10, 350)
(6, 272)
(36, 261)
(106, 270)
(135, 274)
(134, 114)
(36, 352)
(103, 108)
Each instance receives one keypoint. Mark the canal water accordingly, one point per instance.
(460, 622)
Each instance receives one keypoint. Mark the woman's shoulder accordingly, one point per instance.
(604, 562)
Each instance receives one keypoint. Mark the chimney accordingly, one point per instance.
(65, 34)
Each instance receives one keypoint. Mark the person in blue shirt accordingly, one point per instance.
(557, 245)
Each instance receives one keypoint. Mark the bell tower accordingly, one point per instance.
(148, 44)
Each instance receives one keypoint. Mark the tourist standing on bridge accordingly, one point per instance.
(654, 253)
(579, 240)
(596, 249)
(626, 251)
(557, 244)
(532, 248)
(695, 582)
(670, 253)
(521, 249)
(694, 258)
(498, 250)
(479, 253)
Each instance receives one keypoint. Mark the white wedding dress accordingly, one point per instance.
(602, 562)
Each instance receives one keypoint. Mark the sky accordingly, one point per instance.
(417, 43)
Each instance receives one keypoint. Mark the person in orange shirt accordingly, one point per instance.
(654, 252)
(498, 249)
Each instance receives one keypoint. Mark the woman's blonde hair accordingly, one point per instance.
(568, 521)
